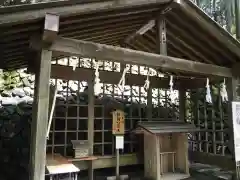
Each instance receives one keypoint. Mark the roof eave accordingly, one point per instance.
(36, 11)
(210, 25)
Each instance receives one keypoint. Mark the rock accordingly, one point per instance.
(15, 118)
(111, 103)
(66, 92)
(4, 113)
(64, 85)
(25, 99)
(74, 87)
(17, 79)
(23, 74)
(18, 92)
(31, 78)
(26, 82)
(28, 91)
(6, 93)
(32, 86)
(60, 97)
(8, 101)
(11, 109)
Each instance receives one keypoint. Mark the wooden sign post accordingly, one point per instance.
(118, 129)
(118, 125)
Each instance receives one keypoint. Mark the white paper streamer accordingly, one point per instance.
(223, 92)
(97, 85)
(121, 83)
(147, 82)
(208, 92)
(74, 63)
(172, 94)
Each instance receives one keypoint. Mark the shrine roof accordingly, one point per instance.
(191, 34)
(158, 127)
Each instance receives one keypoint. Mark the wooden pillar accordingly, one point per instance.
(182, 104)
(41, 101)
(161, 35)
(161, 41)
(162, 49)
(233, 95)
(149, 103)
(157, 139)
(237, 14)
(90, 125)
(40, 117)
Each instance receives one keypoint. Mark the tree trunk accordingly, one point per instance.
(228, 16)
(237, 19)
(214, 12)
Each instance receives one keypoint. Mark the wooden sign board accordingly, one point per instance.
(118, 122)
(236, 129)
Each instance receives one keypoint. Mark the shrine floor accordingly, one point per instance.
(198, 172)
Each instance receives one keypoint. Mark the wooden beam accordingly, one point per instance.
(109, 35)
(105, 30)
(106, 52)
(109, 161)
(183, 35)
(40, 117)
(179, 30)
(151, 42)
(142, 30)
(85, 74)
(96, 26)
(150, 24)
(224, 162)
(51, 27)
(174, 37)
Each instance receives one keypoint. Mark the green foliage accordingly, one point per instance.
(9, 80)
(222, 11)
(15, 2)
(19, 2)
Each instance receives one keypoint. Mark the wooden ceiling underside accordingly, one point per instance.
(187, 37)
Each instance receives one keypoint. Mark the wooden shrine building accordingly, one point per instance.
(173, 37)
(165, 149)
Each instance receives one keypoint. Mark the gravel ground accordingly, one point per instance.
(134, 172)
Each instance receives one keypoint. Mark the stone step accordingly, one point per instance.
(208, 172)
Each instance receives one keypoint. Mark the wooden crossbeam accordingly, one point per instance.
(109, 77)
(150, 24)
(106, 52)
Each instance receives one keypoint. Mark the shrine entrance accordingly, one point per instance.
(137, 56)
